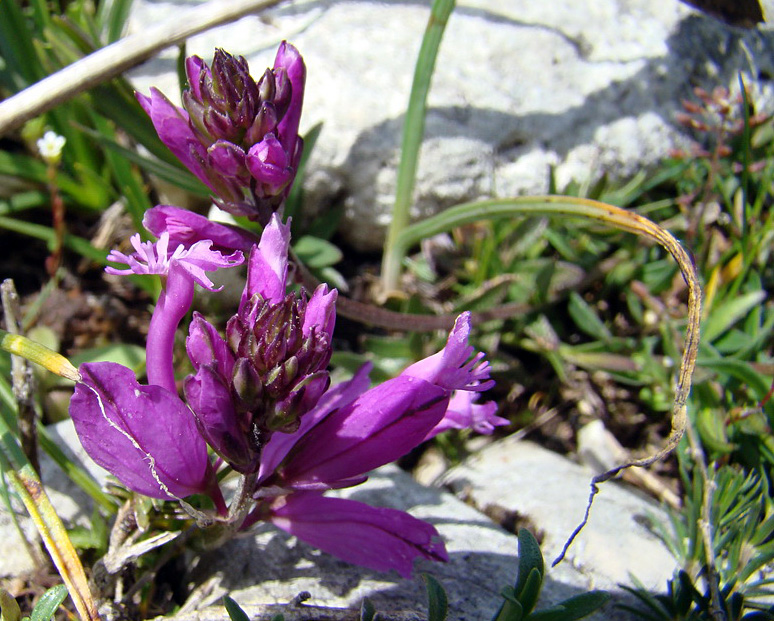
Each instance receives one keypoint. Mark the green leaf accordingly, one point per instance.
(17, 48)
(317, 253)
(712, 430)
(235, 613)
(574, 608)
(175, 175)
(530, 593)
(530, 558)
(295, 196)
(586, 319)
(26, 167)
(49, 603)
(724, 315)
(367, 610)
(78, 244)
(437, 602)
(126, 354)
(126, 178)
(511, 609)
(9, 607)
(112, 16)
(740, 370)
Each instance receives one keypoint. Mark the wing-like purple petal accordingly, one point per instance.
(378, 538)
(144, 435)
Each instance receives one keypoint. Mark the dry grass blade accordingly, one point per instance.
(639, 225)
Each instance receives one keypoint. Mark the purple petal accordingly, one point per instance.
(270, 165)
(380, 426)
(464, 413)
(173, 127)
(335, 398)
(267, 269)
(144, 435)
(454, 367)
(227, 158)
(289, 59)
(205, 346)
(154, 258)
(373, 537)
(186, 228)
(201, 258)
(193, 69)
(321, 311)
(213, 407)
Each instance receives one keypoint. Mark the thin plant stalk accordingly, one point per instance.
(413, 131)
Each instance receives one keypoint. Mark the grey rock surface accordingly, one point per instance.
(528, 483)
(586, 87)
(267, 566)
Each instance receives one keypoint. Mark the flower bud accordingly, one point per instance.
(239, 136)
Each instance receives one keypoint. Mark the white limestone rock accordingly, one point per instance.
(520, 87)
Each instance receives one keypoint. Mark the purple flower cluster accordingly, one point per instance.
(239, 136)
(259, 396)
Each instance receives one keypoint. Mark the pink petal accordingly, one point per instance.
(373, 537)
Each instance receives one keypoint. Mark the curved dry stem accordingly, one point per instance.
(639, 225)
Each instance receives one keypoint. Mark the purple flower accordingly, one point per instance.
(185, 228)
(272, 367)
(464, 413)
(378, 538)
(144, 435)
(182, 268)
(239, 136)
(343, 441)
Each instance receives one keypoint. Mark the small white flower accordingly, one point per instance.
(50, 146)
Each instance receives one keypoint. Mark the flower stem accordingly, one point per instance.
(173, 304)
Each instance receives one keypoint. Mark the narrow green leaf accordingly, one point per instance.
(115, 101)
(78, 244)
(26, 167)
(16, 46)
(437, 602)
(413, 133)
(125, 177)
(586, 319)
(295, 197)
(712, 430)
(530, 592)
(49, 603)
(112, 16)
(510, 609)
(367, 610)
(175, 175)
(740, 370)
(235, 612)
(722, 316)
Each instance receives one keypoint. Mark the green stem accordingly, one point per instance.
(413, 131)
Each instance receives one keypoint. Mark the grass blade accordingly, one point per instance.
(413, 132)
